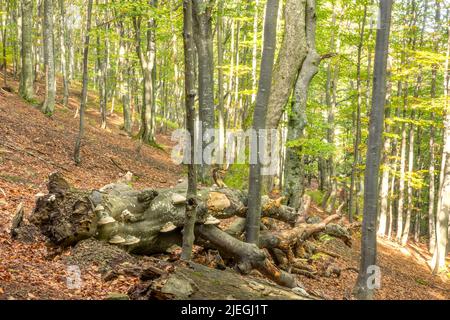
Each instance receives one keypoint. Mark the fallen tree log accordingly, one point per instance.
(151, 221)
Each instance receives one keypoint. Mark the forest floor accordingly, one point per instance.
(33, 145)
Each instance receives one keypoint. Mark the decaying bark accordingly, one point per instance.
(150, 221)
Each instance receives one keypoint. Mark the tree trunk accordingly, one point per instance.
(352, 193)
(202, 26)
(292, 53)
(364, 289)
(146, 60)
(221, 106)
(64, 44)
(409, 209)
(442, 219)
(189, 95)
(294, 175)
(50, 93)
(330, 94)
(124, 90)
(291, 56)
(401, 190)
(259, 121)
(432, 197)
(26, 75)
(77, 156)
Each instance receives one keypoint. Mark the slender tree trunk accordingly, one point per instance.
(384, 192)
(221, 142)
(77, 156)
(26, 75)
(50, 93)
(255, 52)
(401, 190)
(431, 202)
(4, 25)
(442, 219)
(364, 288)
(330, 97)
(146, 60)
(64, 44)
(352, 193)
(124, 89)
(259, 121)
(188, 231)
(410, 204)
(202, 23)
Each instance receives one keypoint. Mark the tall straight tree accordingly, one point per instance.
(49, 60)
(259, 121)
(76, 156)
(353, 194)
(431, 201)
(363, 288)
(443, 209)
(65, 47)
(202, 26)
(146, 55)
(26, 76)
(189, 96)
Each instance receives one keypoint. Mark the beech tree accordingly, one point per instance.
(50, 89)
(259, 121)
(363, 290)
(77, 156)
(26, 76)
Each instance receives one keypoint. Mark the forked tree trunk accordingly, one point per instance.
(293, 174)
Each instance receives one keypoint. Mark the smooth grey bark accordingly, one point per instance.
(221, 100)
(203, 37)
(432, 196)
(102, 65)
(124, 88)
(443, 210)
(77, 156)
(363, 289)
(292, 53)
(293, 173)
(406, 229)
(189, 96)
(384, 190)
(4, 23)
(50, 88)
(401, 189)
(26, 75)
(330, 97)
(65, 52)
(259, 121)
(356, 157)
(147, 60)
(255, 52)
